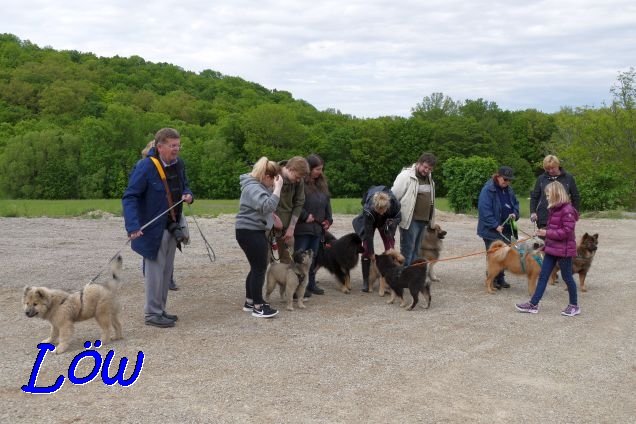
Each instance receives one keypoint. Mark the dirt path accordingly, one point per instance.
(344, 359)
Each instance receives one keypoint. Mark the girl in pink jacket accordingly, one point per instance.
(560, 247)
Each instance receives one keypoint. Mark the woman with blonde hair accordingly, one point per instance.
(560, 247)
(260, 194)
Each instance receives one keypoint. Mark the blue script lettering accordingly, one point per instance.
(121, 370)
(31, 387)
(99, 363)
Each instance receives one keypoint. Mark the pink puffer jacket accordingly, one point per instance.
(560, 239)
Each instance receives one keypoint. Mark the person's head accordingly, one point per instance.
(265, 171)
(504, 176)
(380, 202)
(552, 165)
(316, 179)
(168, 144)
(556, 194)
(296, 169)
(425, 164)
(146, 150)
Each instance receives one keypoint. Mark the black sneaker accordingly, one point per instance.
(171, 317)
(317, 290)
(173, 285)
(159, 321)
(247, 307)
(264, 311)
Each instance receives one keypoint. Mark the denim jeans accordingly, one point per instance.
(549, 262)
(410, 240)
(304, 242)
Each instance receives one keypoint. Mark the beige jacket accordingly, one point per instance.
(405, 189)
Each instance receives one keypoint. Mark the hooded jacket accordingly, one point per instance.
(256, 205)
(538, 201)
(560, 239)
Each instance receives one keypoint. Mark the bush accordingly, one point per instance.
(464, 180)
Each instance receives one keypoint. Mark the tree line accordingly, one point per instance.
(74, 125)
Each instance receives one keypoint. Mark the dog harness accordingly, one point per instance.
(522, 253)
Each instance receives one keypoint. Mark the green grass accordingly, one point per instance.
(100, 207)
(206, 208)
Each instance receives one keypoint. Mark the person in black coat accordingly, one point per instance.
(381, 210)
(538, 200)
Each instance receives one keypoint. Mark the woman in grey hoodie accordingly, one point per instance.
(260, 194)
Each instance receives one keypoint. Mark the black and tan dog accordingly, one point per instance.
(518, 259)
(291, 278)
(398, 278)
(62, 309)
(374, 273)
(431, 247)
(581, 264)
(339, 256)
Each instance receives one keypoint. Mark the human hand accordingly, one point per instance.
(278, 224)
(499, 229)
(310, 218)
(135, 234)
(533, 217)
(289, 236)
(541, 233)
(278, 181)
(325, 225)
(187, 198)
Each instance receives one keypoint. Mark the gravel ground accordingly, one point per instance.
(344, 359)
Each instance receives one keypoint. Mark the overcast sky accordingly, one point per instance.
(365, 58)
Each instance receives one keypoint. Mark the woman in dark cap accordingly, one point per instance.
(498, 208)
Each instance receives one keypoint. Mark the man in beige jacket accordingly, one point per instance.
(415, 189)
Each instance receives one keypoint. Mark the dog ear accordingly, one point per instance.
(26, 290)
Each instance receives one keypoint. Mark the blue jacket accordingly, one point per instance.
(489, 209)
(143, 200)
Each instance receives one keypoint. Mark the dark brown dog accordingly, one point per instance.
(431, 247)
(412, 277)
(581, 264)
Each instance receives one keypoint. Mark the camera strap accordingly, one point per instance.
(162, 174)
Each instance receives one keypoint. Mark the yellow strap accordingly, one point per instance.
(159, 167)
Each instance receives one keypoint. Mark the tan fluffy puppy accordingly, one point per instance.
(62, 309)
(291, 278)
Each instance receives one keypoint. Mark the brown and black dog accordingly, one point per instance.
(398, 278)
(501, 257)
(581, 264)
(431, 247)
(374, 273)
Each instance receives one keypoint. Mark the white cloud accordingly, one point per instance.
(365, 58)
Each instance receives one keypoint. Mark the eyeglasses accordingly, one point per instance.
(172, 146)
(507, 180)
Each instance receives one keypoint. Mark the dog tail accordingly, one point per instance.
(498, 250)
(116, 265)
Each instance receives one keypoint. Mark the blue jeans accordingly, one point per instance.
(549, 262)
(305, 242)
(410, 240)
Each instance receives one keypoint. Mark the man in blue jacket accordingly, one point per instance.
(155, 184)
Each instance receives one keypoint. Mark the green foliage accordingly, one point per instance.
(465, 178)
(605, 190)
(74, 125)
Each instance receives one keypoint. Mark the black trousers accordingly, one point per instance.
(254, 244)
